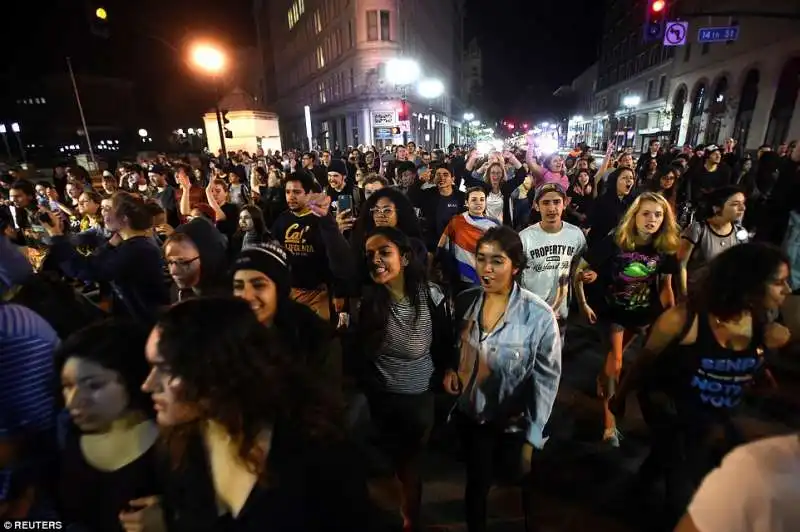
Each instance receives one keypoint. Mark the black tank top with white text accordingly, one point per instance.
(713, 378)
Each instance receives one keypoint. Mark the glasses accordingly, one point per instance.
(181, 264)
(385, 211)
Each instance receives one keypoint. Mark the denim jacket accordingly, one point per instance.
(515, 368)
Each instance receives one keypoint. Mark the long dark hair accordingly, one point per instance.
(234, 374)
(376, 300)
(259, 225)
(735, 281)
(117, 345)
(407, 221)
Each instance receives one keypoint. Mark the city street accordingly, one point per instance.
(582, 485)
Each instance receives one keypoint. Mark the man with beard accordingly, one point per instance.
(320, 257)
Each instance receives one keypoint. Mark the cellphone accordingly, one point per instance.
(344, 202)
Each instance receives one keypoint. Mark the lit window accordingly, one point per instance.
(320, 57)
(385, 26)
(317, 22)
(372, 25)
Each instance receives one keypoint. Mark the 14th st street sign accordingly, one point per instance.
(720, 34)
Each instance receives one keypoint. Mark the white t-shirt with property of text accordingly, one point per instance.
(551, 257)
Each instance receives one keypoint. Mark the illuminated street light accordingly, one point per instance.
(15, 127)
(101, 13)
(199, 131)
(143, 133)
(2, 129)
(430, 88)
(631, 101)
(190, 131)
(402, 71)
(208, 58)
(469, 117)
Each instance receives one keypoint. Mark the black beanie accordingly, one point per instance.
(271, 260)
(338, 166)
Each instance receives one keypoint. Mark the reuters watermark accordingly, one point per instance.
(33, 525)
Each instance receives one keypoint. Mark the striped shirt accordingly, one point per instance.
(405, 364)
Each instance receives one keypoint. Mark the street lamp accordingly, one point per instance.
(143, 133)
(430, 89)
(15, 128)
(402, 71)
(631, 101)
(208, 58)
(469, 117)
(211, 60)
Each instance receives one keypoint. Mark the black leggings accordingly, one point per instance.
(481, 443)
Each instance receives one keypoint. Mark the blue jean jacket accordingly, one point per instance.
(518, 362)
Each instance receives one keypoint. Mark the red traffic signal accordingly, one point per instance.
(655, 20)
(658, 6)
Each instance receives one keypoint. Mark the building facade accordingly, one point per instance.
(472, 76)
(579, 125)
(699, 93)
(745, 89)
(331, 56)
(632, 80)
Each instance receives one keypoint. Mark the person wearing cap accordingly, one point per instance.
(338, 185)
(553, 248)
(166, 195)
(262, 277)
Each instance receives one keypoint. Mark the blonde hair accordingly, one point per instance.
(666, 240)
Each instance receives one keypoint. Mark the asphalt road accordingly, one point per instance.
(581, 484)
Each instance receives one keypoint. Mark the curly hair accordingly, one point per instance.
(407, 221)
(735, 281)
(235, 373)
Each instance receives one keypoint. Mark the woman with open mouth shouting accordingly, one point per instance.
(509, 369)
(635, 265)
(406, 330)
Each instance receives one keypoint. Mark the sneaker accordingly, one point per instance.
(612, 436)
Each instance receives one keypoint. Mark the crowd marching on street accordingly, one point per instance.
(198, 343)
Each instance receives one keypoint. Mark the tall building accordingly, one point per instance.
(579, 125)
(746, 89)
(472, 76)
(632, 79)
(331, 56)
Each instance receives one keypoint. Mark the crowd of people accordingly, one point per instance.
(270, 303)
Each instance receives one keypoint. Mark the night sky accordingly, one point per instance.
(531, 47)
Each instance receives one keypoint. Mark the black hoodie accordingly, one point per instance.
(210, 244)
(607, 211)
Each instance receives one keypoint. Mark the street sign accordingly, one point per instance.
(721, 34)
(383, 133)
(675, 33)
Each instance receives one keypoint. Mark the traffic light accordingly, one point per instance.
(655, 20)
(402, 114)
(98, 20)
